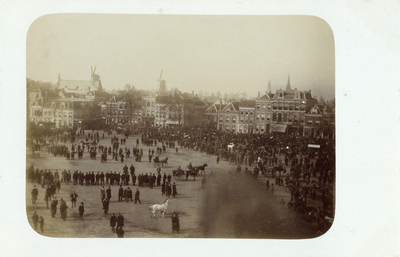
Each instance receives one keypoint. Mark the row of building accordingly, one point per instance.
(286, 111)
(75, 103)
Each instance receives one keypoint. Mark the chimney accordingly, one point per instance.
(269, 87)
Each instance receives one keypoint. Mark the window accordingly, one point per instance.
(263, 106)
(262, 116)
(251, 119)
(317, 122)
(251, 113)
(233, 119)
(258, 116)
(148, 104)
(297, 107)
(286, 108)
(279, 117)
(241, 112)
(233, 128)
(309, 122)
(262, 127)
(258, 106)
(227, 118)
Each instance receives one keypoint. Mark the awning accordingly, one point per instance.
(278, 128)
(313, 146)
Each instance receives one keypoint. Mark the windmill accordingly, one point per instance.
(162, 89)
(94, 76)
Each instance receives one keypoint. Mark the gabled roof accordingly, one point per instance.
(313, 108)
(230, 105)
(236, 104)
(211, 109)
(264, 97)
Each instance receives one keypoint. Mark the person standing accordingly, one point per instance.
(74, 197)
(267, 184)
(137, 196)
(81, 210)
(113, 222)
(34, 193)
(54, 207)
(174, 192)
(272, 189)
(120, 193)
(120, 232)
(108, 191)
(163, 188)
(35, 219)
(102, 193)
(41, 224)
(120, 221)
(129, 195)
(106, 204)
(175, 223)
(63, 209)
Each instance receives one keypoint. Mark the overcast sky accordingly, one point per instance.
(209, 53)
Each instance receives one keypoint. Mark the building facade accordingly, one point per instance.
(247, 113)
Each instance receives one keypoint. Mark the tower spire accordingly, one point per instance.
(288, 83)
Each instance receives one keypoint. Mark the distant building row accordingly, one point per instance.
(286, 111)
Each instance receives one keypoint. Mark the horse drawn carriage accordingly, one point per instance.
(157, 162)
(180, 174)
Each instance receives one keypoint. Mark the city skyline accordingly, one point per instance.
(209, 53)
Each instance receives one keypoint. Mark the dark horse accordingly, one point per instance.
(165, 161)
(192, 172)
(201, 168)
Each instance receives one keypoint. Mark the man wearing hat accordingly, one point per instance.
(81, 210)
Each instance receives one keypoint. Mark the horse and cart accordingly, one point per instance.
(157, 162)
(181, 174)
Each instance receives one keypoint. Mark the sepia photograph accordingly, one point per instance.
(180, 126)
(185, 128)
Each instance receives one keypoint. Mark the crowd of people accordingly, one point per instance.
(310, 170)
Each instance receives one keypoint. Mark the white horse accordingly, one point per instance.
(230, 147)
(159, 207)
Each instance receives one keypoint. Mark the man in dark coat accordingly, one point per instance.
(113, 222)
(106, 204)
(35, 219)
(137, 196)
(174, 192)
(34, 193)
(81, 210)
(41, 224)
(129, 195)
(120, 232)
(54, 207)
(63, 209)
(175, 223)
(120, 221)
(120, 193)
(108, 192)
